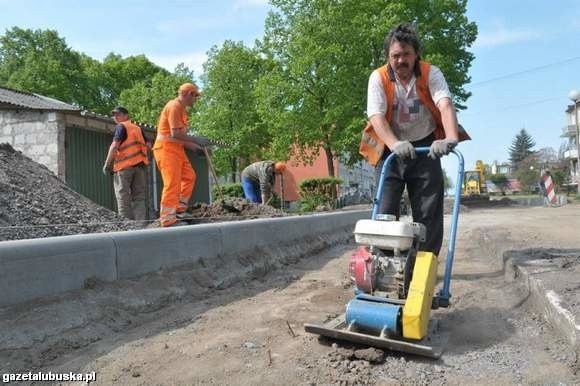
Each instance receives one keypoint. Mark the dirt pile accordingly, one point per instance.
(478, 202)
(34, 203)
(448, 207)
(485, 202)
(230, 208)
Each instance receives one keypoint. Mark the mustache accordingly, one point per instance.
(402, 65)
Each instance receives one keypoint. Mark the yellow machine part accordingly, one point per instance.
(474, 181)
(420, 297)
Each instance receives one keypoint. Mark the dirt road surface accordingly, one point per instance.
(163, 329)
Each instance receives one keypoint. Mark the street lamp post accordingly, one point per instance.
(575, 97)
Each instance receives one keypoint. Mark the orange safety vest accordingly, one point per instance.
(371, 146)
(133, 150)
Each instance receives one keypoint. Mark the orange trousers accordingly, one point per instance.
(178, 180)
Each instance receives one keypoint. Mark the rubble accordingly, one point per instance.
(231, 208)
(34, 203)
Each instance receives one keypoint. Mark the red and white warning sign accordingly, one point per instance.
(549, 186)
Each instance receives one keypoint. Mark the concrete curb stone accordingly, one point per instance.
(533, 274)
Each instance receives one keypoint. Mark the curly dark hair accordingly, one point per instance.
(403, 33)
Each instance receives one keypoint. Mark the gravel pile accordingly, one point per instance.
(485, 202)
(34, 203)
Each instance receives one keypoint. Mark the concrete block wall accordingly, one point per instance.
(34, 133)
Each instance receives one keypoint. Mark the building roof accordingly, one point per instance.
(108, 119)
(10, 98)
(30, 101)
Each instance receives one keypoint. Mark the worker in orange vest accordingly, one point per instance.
(409, 105)
(169, 151)
(127, 160)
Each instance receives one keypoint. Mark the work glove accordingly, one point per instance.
(441, 147)
(107, 170)
(404, 149)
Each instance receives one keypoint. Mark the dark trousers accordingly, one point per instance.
(424, 180)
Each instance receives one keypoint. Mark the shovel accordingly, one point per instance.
(227, 207)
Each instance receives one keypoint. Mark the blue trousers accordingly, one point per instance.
(251, 190)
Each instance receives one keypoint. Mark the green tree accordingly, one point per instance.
(324, 51)
(521, 147)
(528, 173)
(123, 73)
(97, 95)
(146, 98)
(40, 61)
(105, 81)
(500, 180)
(560, 175)
(228, 111)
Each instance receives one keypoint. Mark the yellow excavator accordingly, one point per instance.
(474, 181)
(474, 191)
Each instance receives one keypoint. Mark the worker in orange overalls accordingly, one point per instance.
(169, 151)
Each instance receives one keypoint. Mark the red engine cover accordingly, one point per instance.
(362, 269)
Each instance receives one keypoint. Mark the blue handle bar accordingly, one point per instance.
(444, 294)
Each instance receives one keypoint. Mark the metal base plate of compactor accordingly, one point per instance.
(431, 346)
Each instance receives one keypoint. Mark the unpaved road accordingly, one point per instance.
(150, 331)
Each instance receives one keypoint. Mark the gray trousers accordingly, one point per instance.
(424, 179)
(130, 190)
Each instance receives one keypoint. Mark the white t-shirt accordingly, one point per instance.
(412, 121)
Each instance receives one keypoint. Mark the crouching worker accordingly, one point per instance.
(127, 160)
(258, 180)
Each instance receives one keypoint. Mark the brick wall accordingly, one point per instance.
(34, 133)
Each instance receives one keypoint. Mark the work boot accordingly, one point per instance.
(173, 223)
(182, 207)
(184, 216)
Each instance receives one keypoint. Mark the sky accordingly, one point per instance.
(527, 56)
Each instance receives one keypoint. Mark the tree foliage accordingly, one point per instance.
(317, 192)
(547, 156)
(146, 98)
(528, 173)
(40, 61)
(560, 175)
(447, 181)
(301, 88)
(521, 147)
(97, 95)
(498, 179)
(324, 52)
(118, 74)
(530, 168)
(227, 111)
(228, 190)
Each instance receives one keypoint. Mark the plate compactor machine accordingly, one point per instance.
(395, 282)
